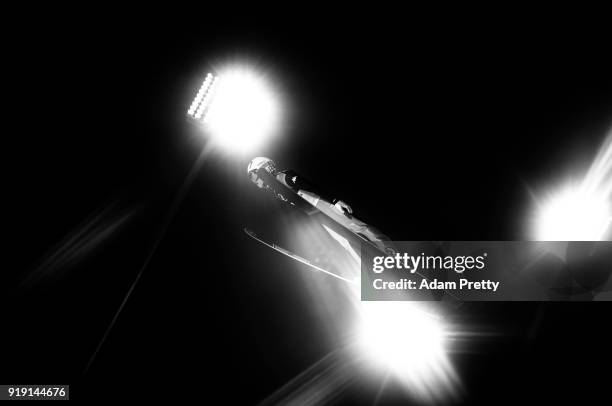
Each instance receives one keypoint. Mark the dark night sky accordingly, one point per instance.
(431, 131)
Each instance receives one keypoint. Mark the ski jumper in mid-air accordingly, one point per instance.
(262, 170)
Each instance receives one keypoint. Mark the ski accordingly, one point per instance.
(294, 256)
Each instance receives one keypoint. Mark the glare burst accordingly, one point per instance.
(410, 342)
(237, 108)
(579, 211)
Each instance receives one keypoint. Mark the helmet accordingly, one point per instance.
(261, 162)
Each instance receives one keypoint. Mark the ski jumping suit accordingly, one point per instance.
(326, 203)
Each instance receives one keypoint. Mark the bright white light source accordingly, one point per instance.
(580, 212)
(403, 340)
(197, 101)
(573, 215)
(238, 109)
(205, 101)
(402, 337)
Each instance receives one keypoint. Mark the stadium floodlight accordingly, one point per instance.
(580, 211)
(237, 109)
(410, 342)
(573, 215)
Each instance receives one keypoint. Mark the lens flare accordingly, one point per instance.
(408, 341)
(237, 108)
(411, 343)
(573, 215)
(579, 211)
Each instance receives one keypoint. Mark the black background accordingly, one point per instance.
(431, 128)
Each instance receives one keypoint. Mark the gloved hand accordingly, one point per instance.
(343, 208)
